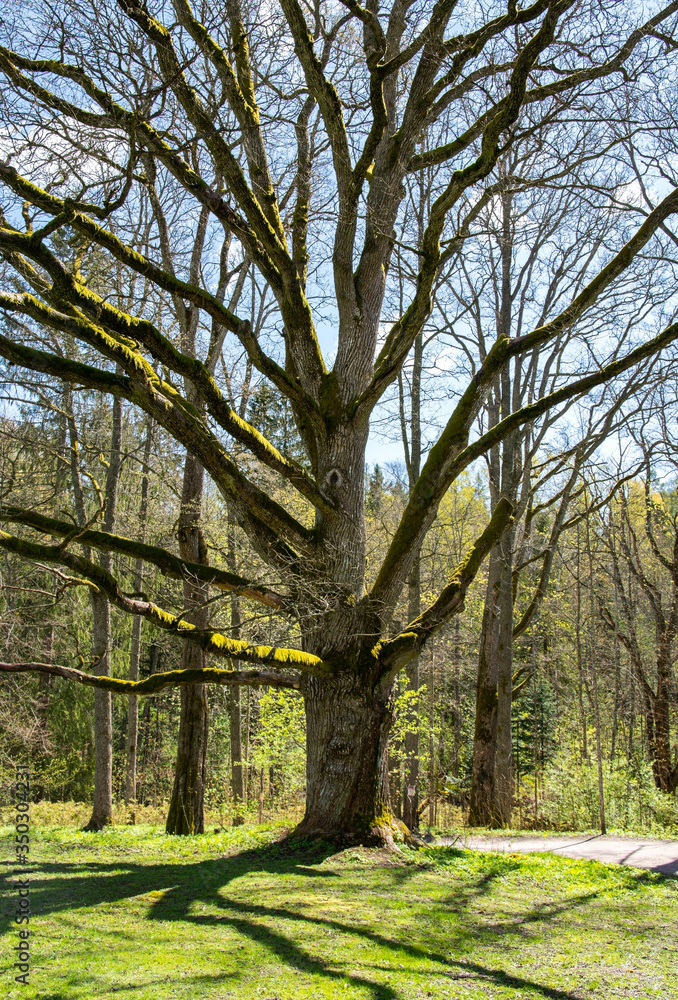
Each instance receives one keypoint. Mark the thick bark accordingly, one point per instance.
(348, 719)
(491, 775)
(186, 812)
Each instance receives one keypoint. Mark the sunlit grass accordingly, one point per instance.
(239, 914)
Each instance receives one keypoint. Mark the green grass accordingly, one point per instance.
(134, 913)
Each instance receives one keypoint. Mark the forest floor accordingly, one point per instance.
(640, 852)
(240, 914)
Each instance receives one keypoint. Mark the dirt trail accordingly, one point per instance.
(639, 852)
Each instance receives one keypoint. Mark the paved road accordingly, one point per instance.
(639, 852)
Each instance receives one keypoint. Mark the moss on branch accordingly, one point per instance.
(168, 563)
(160, 681)
(208, 639)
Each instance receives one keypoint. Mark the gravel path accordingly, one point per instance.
(639, 852)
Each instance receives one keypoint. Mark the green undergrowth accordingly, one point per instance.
(246, 914)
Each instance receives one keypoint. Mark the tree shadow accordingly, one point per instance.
(96, 882)
(280, 945)
(175, 889)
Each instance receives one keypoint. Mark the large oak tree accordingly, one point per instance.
(287, 133)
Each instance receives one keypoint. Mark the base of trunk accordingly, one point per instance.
(384, 831)
(97, 823)
(186, 811)
(348, 719)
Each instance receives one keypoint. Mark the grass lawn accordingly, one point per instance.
(134, 913)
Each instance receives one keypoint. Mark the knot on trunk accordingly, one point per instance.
(332, 481)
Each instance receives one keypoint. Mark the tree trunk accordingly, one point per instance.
(237, 782)
(503, 649)
(235, 715)
(665, 775)
(102, 805)
(135, 648)
(186, 812)
(504, 652)
(348, 719)
(410, 800)
(599, 753)
(410, 797)
(481, 804)
(42, 713)
(133, 718)
(580, 661)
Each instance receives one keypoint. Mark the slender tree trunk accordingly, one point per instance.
(615, 716)
(135, 648)
(42, 713)
(656, 702)
(410, 794)
(431, 749)
(594, 673)
(186, 811)
(599, 755)
(580, 659)
(237, 782)
(246, 770)
(458, 717)
(102, 806)
(235, 715)
(666, 776)
(481, 804)
(504, 756)
(396, 781)
(410, 797)
(508, 488)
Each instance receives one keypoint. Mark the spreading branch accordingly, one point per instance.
(159, 681)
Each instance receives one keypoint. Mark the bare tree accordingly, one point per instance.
(238, 114)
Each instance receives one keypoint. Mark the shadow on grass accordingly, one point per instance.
(176, 887)
(195, 980)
